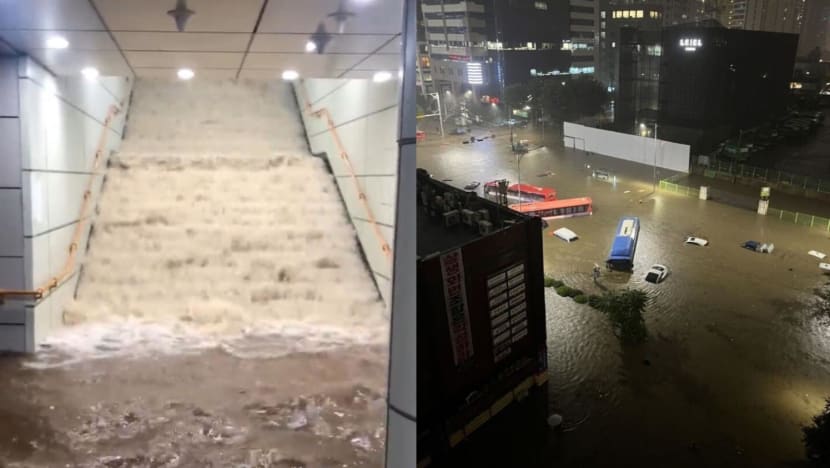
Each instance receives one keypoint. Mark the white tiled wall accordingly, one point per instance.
(366, 116)
(12, 262)
(61, 121)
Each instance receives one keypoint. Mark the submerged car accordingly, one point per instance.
(472, 185)
(759, 247)
(565, 234)
(657, 273)
(697, 241)
(824, 266)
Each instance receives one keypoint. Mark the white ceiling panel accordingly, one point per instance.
(48, 14)
(71, 62)
(175, 41)
(184, 59)
(78, 40)
(151, 15)
(170, 73)
(301, 62)
(356, 74)
(340, 44)
(370, 16)
(381, 62)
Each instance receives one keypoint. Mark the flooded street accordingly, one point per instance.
(734, 364)
(224, 315)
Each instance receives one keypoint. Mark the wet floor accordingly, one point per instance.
(734, 363)
(206, 409)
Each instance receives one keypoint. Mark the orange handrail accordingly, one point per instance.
(319, 113)
(69, 265)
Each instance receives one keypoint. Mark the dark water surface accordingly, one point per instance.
(734, 364)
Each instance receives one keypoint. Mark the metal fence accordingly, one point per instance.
(677, 188)
(801, 219)
(731, 169)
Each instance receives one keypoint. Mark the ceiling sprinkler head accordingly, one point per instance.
(320, 38)
(341, 16)
(181, 14)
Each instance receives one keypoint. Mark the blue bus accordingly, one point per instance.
(621, 256)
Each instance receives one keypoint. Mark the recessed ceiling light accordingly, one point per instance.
(381, 76)
(185, 74)
(290, 75)
(310, 46)
(90, 73)
(57, 42)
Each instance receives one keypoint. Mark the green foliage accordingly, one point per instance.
(595, 301)
(625, 310)
(579, 97)
(581, 299)
(563, 291)
(557, 283)
(549, 282)
(817, 437)
(575, 292)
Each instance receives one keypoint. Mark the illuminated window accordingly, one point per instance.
(625, 14)
(639, 13)
(602, 14)
(541, 5)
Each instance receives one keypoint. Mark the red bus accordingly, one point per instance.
(557, 209)
(520, 193)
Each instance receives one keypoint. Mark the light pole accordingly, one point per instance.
(656, 146)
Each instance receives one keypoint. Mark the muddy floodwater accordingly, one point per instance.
(735, 362)
(204, 409)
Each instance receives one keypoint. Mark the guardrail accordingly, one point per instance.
(323, 113)
(83, 219)
(801, 219)
(771, 176)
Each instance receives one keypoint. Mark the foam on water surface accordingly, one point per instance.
(217, 228)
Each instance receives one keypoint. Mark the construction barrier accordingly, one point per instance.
(730, 169)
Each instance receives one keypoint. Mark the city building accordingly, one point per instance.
(643, 17)
(636, 104)
(785, 16)
(456, 40)
(584, 19)
(423, 75)
(527, 38)
(815, 31)
(715, 81)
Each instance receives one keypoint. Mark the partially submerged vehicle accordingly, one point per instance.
(565, 234)
(759, 247)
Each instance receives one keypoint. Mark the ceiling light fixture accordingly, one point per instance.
(381, 76)
(90, 73)
(290, 75)
(181, 14)
(341, 16)
(57, 42)
(310, 46)
(320, 38)
(185, 74)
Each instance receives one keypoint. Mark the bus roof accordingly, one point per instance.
(548, 205)
(531, 189)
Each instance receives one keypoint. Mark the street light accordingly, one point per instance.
(437, 97)
(656, 146)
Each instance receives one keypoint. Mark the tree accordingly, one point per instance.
(817, 437)
(625, 309)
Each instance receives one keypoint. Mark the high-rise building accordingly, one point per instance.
(815, 31)
(584, 28)
(456, 43)
(715, 81)
(785, 16)
(526, 39)
(642, 17)
(423, 77)
(636, 104)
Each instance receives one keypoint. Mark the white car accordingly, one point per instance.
(817, 254)
(565, 234)
(824, 266)
(657, 273)
(697, 241)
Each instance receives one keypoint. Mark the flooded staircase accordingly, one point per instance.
(215, 223)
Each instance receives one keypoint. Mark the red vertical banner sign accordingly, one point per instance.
(455, 298)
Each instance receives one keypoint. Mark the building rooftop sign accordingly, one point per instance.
(691, 44)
